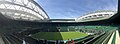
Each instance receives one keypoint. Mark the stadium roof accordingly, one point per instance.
(62, 20)
(96, 15)
(27, 10)
(98, 11)
(30, 10)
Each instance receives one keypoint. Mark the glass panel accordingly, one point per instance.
(2, 6)
(17, 14)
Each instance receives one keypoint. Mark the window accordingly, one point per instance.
(94, 16)
(100, 15)
(86, 17)
(89, 16)
(106, 14)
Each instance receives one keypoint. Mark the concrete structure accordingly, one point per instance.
(27, 10)
(62, 20)
(95, 16)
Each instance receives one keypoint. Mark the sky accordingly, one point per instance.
(71, 9)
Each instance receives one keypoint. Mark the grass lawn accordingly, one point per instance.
(58, 35)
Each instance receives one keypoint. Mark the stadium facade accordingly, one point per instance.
(96, 15)
(18, 26)
(27, 10)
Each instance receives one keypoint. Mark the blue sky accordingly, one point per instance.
(70, 9)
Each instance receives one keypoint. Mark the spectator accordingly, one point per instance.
(58, 41)
(45, 42)
(73, 42)
(68, 42)
(24, 42)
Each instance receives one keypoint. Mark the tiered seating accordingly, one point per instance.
(63, 29)
(105, 38)
(71, 28)
(52, 29)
